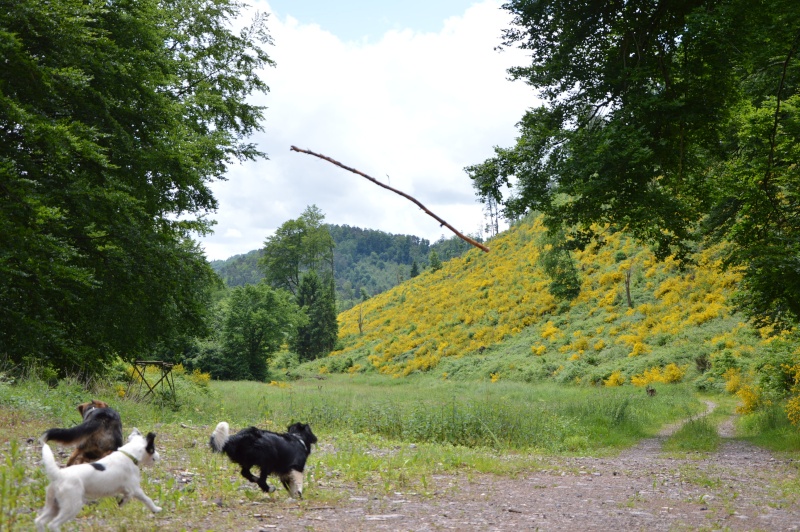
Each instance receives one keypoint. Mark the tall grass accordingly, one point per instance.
(504, 415)
(770, 428)
(698, 435)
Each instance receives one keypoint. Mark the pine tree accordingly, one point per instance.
(434, 261)
(316, 299)
(414, 269)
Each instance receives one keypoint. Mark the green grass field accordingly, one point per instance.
(374, 432)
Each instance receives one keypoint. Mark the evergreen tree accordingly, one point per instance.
(414, 269)
(316, 299)
(434, 261)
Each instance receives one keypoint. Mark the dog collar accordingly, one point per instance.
(301, 441)
(135, 461)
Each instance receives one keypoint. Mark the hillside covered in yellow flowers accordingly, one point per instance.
(491, 316)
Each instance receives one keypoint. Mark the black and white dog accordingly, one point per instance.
(115, 474)
(284, 454)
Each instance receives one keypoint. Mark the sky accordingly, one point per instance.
(407, 92)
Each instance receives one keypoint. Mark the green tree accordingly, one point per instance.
(675, 121)
(258, 320)
(296, 247)
(434, 262)
(318, 336)
(557, 263)
(414, 269)
(114, 118)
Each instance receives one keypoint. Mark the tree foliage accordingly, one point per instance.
(299, 258)
(114, 118)
(557, 263)
(318, 336)
(258, 321)
(434, 261)
(296, 247)
(362, 258)
(676, 121)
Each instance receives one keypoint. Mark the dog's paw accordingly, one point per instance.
(157, 509)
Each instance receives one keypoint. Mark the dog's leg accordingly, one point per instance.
(69, 507)
(75, 458)
(262, 483)
(293, 482)
(139, 494)
(248, 475)
(48, 512)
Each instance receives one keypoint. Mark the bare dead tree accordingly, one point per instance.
(408, 197)
(628, 285)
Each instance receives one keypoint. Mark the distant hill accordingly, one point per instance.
(363, 258)
(491, 316)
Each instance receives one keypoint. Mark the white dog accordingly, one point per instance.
(117, 473)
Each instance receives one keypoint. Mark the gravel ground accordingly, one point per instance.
(739, 487)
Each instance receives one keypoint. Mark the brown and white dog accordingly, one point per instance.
(99, 435)
(116, 474)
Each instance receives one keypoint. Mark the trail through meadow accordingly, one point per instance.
(739, 487)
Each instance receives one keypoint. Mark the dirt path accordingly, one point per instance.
(740, 487)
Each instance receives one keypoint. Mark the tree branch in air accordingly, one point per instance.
(410, 198)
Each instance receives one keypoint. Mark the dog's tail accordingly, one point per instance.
(74, 435)
(50, 466)
(219, 437)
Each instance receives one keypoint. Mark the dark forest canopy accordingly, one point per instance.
(363, 258)
(676, 121)
(114, 118)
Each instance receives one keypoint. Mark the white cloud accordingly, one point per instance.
(417, 107)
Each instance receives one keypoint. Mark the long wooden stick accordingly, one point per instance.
(410, 198)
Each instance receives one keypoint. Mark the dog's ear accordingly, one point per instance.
(311, 437)
(134, 432)
(151, 443)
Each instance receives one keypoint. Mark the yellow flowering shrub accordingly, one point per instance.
(639, 348)
(615, 379)
(480, 299)
(199, 378)
(750, 398)
(793, 410)
(733, 380)
(669, 374)
(550, 331)
(673, 373)
(599, 345)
